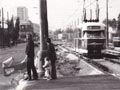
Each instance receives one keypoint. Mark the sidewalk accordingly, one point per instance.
(95, 82)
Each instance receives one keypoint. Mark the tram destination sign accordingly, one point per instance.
(93, 27)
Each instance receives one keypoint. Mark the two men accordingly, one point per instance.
(30, 58)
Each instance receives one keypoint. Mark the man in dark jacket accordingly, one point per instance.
(30, 58)
(52, 57)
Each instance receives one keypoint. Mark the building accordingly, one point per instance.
(22, 13)
(26, 26)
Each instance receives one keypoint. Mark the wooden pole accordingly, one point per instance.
(43, 35)
(107, 31)
(2, 18)
(3, 27)
(7, 15)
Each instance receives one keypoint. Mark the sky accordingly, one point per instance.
(61, 13)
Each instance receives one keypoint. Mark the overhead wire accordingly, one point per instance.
(71, 16)
(76, 11)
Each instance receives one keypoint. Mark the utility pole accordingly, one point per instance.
(2, 19)
(8, 21)
(107, 31)
(7, 15)
(43, 35)
(2, 28)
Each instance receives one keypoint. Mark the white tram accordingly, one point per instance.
(92, 39)
(116, 41)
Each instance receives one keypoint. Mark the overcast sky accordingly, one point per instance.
(61, 13)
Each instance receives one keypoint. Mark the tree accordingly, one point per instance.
(17, 28)
(11, 26)
(58, 31)
(118, 27)
(69, 34)
(114, 23)
(109, 22)
(12, 31)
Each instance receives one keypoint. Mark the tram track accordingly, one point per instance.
(104, 64)
(83, 67)
(86, 59)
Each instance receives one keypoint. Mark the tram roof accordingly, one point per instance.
(84, 26)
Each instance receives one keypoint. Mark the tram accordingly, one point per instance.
(116, 41)
(92, 39)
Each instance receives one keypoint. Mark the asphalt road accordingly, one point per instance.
(18, 53)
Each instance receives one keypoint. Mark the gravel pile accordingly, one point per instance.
(67, 67)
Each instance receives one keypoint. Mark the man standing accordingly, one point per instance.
(52, 57)
(30, 58)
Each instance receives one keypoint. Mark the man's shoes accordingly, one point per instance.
(53, 78)
(29, 79)
(26, 78)
(44, 77)
(48, 78)
(35, 78)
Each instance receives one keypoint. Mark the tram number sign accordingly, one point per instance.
(93, 27)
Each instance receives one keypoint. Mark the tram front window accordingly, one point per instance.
(94, 34)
